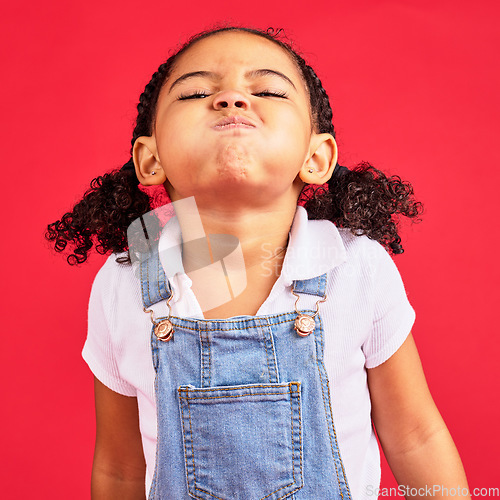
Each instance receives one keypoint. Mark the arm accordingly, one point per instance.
(118, 471)
(412, 433)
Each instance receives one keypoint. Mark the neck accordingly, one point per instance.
(261, 234)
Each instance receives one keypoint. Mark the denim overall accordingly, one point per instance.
(243, 405)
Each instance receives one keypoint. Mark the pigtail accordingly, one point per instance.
(363, 199)
(101, 217)
(367, 202)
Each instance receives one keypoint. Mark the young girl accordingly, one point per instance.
(252, 343)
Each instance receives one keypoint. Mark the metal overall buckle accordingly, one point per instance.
(304, 323)
(163, 329)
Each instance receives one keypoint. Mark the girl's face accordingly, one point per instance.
(233, 121)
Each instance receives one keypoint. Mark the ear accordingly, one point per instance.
(321, 161)
(146, 162)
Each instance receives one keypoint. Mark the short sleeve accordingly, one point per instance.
(393, 316)
(98, 350)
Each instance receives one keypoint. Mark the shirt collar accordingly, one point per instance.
(169, 248)
(314, 247)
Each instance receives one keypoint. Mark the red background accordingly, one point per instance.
(414, 89)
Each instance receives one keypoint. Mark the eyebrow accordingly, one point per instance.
(255, 73)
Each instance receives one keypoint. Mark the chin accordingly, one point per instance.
(233, 173)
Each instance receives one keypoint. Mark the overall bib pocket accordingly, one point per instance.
(242, 442)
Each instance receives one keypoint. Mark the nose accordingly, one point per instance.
(229, 98)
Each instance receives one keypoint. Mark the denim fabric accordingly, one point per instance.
(243, 406)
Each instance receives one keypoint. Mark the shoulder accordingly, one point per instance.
(357, 242)
(113, 275)
(112, 267)
(374, 266)
(115, 290)
(363, 251)
(340, 250)
(369, 264)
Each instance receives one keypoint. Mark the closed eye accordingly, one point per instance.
(195, 95)
(274, 93)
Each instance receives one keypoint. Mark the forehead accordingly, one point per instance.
(236, 49)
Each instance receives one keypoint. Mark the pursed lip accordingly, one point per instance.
(235, 121)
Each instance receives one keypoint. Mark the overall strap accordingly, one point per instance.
(154, 284)
(312, 286)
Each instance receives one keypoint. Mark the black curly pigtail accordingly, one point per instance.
(362, 199)
(114, 199)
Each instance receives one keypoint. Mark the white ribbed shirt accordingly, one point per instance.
(366, 318)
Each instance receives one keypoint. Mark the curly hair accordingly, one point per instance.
(362, 199)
